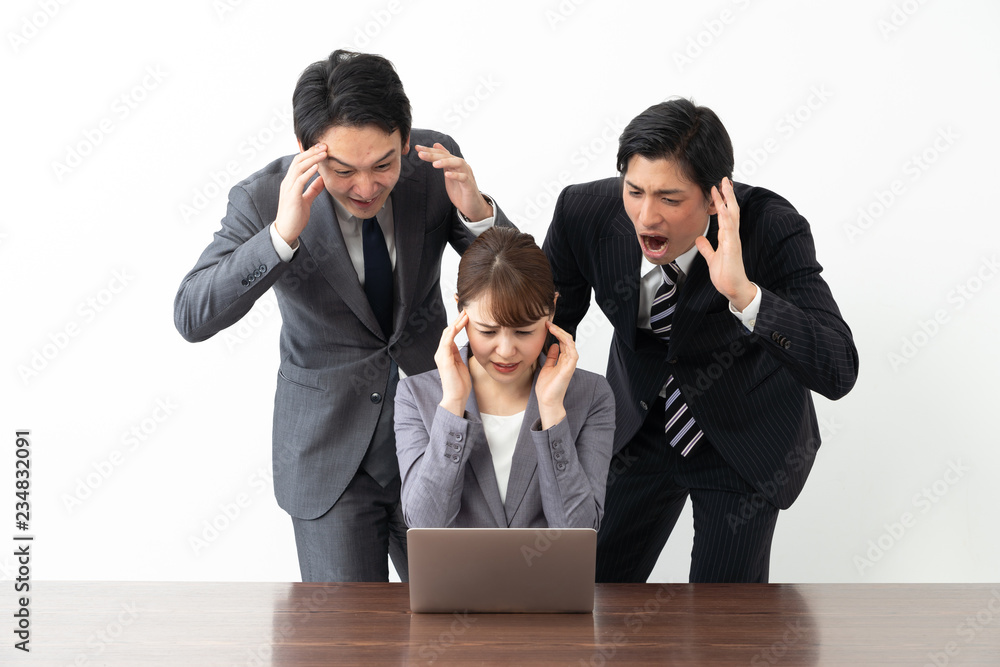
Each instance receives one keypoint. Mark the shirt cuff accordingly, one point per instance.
(749, 315)
(285, 251)
(478, 228)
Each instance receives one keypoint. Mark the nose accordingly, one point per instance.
(506, 345)
(365, 185)
(647, 212)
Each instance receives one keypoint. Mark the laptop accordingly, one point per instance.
(496, 570)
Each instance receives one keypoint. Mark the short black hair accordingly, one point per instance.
(349, 89)
(692, 136)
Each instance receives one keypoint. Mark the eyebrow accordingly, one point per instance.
(351, 166)
(484, 325)
(664, 191)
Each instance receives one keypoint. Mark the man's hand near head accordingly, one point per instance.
(459, 182)
(294, 198)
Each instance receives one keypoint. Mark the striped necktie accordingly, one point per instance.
(681, 430)
(378, 273)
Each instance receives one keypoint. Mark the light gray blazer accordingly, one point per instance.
(558, 476)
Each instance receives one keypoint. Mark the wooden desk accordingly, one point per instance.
(123, 623)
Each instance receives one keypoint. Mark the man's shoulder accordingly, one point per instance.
(758, 200)
(426, 137)
(268, 177)
(592, 207)
(605, 188)
(415, 172)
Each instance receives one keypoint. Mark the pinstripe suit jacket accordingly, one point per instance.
(335, 362)
(749, 391)
(558, 476)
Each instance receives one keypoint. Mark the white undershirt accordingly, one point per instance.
(501, 434)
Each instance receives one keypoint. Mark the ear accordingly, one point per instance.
(711, 202)
(456, 297)
(299, 142)
(552, 315)
(406, 145)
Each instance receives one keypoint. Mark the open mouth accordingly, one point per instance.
(654, 246)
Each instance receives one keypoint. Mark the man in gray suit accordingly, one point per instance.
(350, 233)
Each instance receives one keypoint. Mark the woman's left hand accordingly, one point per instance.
(554, 377)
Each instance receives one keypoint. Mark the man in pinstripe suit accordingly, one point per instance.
(713, 399)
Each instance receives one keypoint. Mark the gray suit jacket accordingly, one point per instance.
(336, 367)
(558, 476)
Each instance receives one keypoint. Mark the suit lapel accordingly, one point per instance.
(323, 231)
(695, 297)
(481, 459)
(408, 204)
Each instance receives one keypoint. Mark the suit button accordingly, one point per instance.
(556, 444)
(456, 458)
(775, 336)
(785, 343)
(642, 404)
(251, 278)
(557, 456)
(262, 268)
(560, 466)
(458, 437)
(672, 361)
(245, 282)
(376, 397)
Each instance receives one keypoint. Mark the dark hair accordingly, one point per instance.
(351, 89)
(509, 269)
(689, 135)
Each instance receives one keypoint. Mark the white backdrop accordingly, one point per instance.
(126, 123)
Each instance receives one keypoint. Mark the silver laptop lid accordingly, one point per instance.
(501, 569)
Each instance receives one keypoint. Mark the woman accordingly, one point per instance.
(503, 434)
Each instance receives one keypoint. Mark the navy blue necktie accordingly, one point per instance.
(378, 273)
(681, 430)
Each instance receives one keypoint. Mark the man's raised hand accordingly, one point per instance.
(294, 198)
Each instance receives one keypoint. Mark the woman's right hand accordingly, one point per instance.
(456, 382)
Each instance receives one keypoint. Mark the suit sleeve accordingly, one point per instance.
(236, 269)
(799, 322)
(573, 288)
(573, 475)
(432, 459)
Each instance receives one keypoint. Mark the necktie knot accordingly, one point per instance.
(670, 272)
(664, 302)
